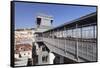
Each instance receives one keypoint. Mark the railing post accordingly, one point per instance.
(53, 36)
(42, 36)
(81, 42)
(58, 37)
(96, 42)
(76, 45)
(65, 38)
(93, 45)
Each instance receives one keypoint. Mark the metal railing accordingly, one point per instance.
(87, 49)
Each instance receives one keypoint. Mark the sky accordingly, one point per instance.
(25, 13)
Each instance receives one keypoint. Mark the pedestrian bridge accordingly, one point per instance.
(75, 40)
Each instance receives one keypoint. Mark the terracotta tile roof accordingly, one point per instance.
(23, 47)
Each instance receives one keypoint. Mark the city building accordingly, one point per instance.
(23, 46)
(23, 50)
(24, 35)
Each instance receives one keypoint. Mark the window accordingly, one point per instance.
(24, 49)
(20, 55)
(30, 33)
(45, 58)
(20, 48)
(28, 53)
(24, 54)
(16, 49)
(51, 21)
(44, 48)
(38, 21)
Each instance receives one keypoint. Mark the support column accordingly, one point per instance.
(58, 59)
(61, 59)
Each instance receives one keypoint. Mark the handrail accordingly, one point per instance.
(86, 49)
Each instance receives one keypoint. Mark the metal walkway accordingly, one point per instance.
(76, 40)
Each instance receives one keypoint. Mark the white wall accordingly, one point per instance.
(45, 20)
(26, 54)
(5, 34)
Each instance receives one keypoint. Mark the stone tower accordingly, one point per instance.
(43, 22)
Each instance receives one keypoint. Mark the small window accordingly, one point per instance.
(24, 54)
(28, 53)
(24, 49)
(51, 21)
(44, 48)
(20, 48)
(16, 49)
(20, 55)
(30, 33)
(38, 21)
(45, 58)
